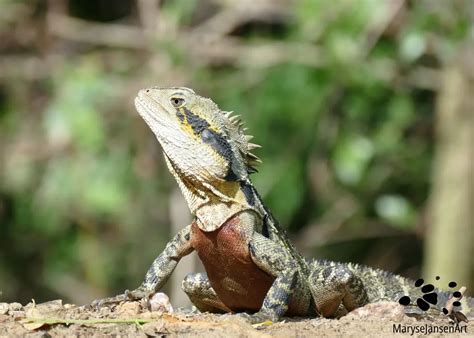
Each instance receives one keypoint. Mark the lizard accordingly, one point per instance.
(251, 266)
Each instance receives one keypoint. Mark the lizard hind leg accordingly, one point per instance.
(338, 290)
(202, 295)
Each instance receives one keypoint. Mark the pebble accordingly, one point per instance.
(15, 306)
(3, 308)
(128, 309)
(384, 309)
(160, 302)
(17, 314)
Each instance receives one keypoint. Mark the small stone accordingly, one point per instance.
(157, 328)
(128, 309)
(15, 306)
(17, 314)
(52, 305)
(383, 309)
(160, 302)
(3, 308)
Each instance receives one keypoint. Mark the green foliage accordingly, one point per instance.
(83, 188)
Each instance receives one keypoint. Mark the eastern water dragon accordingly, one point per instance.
(251, 266)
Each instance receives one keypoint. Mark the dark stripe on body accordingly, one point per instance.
(247, 189)
(265, 231)
(180, 115)
(197, 123)
(217, 141)
(281, 234)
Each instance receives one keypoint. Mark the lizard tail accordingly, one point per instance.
(383, 285)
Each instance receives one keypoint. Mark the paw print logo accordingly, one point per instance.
(431, 297)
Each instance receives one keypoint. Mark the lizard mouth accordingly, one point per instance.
(150, 109)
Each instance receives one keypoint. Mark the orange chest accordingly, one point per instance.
(240, 284)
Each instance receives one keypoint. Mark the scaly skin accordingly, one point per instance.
(251, 266)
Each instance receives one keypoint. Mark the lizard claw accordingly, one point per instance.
(104, 302)
(259, 318)
(136, 294)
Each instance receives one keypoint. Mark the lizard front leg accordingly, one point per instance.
(273, 259)
(159, 272)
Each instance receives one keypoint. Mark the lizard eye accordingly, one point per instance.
(177, 102)
(207, 136)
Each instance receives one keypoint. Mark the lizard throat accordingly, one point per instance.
(213, 205)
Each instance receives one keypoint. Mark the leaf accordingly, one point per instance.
(34, 314)
(396, 210)
(32, 324)
(351, 158)
(262, 324)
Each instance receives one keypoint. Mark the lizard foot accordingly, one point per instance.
(136, 294)
(259, 317)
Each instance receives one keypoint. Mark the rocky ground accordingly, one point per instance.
(133, 319)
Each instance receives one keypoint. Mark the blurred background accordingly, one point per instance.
(363, 107)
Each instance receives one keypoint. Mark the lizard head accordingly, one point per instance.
(199, 140)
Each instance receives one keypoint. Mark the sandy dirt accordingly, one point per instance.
(134, 319)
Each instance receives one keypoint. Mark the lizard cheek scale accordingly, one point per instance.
(251, 266)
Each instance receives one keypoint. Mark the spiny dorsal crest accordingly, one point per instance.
(236, 130)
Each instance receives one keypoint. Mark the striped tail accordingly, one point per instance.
(382, 285)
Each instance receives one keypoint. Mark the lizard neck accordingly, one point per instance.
(214, 203)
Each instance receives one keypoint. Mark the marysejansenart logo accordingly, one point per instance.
(430, 297)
